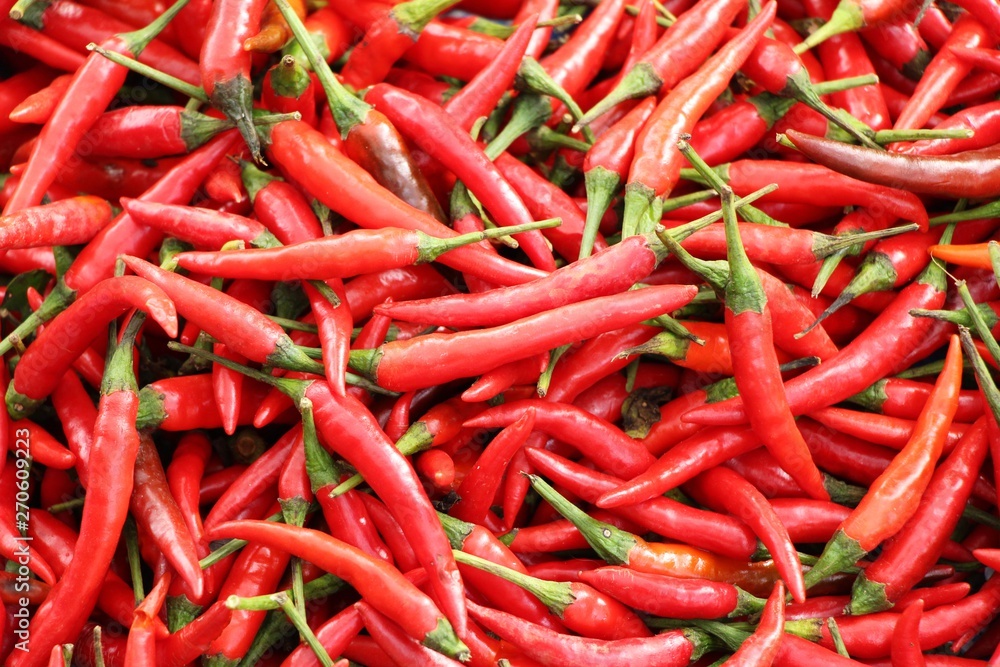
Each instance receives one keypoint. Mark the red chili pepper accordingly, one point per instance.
(583, 609)
(17, 89)
(116, 442)
(610, 271)
(906, 638)
(96, 261)
(388, 39)
(607, 163)
(396, 644)
(497, 381)
(65, 222)
(899, 41)
(678, 53)
(480, 95)
(478, 541)
(288, 88)
(669, 649)
(480, 485)
(821, 386)
(747, 503)
(225, 66)
(705, 530)
(155, 509)
(255, 481)
(656, 166)
(274, 32)
(57, 543)
(879, 429)
(379, 583)
(141, 646)
(38, 107)
(50, 51)
(672, 597)
(559, 535)
(350, 191)
(187, 402)
(775, 67)
(403, 364)
(545, 200)
(870, 636)
(912, 551)
(345, 513)
(747, 176)
(447, 50)
(943, 74)
(78, 25)
(193, 639)
(852, 15)
(763, 645)
(94, 85)
(431, 128)
(229, 321)
(257, 571)
(603, 443)
(574, 64)
(149, 132)
(897, 397)
(983, 119)
(333, 32)
(353, 253)
(203, 227)
(42, 366)
(844, 55)
(894, 496)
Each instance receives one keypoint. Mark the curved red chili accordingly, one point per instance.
(380, 584)
(894, 497)
(763, 645)
(404, 365)
(116, 442)
(912, 552)
(46, 359)
(94, 85)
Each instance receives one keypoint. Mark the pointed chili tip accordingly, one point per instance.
(988, 557)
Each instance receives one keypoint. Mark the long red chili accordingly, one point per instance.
(404, 365)
(859, 364)
(894, 497)
(615, 269)
(970, 174)
(432, 129)
(239, 326)
(45, 361)
(913, 550)
(380, 584)
(350, 191)
(678, 53)
(669, 649)
(600, 441)
(155, 509)
(94, 86)
(116, 443)
(741, 499)
(225, 66)
(656, 167)
(718, 533)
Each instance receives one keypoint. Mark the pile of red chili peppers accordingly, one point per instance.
(500, 332)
